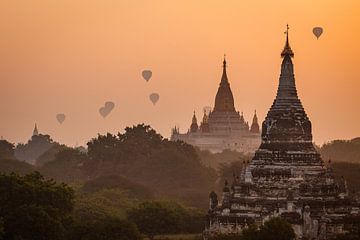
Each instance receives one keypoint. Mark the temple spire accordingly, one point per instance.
(255, 128)
(35, 132)
(224, 100)
(224, 75)
(194, 125)
(287, 49)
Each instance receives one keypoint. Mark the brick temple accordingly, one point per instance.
(287, 177)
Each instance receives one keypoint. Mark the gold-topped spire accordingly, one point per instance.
(287, 49)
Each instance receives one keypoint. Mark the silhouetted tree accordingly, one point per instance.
(6, 150)
(34, 208)
(154, 218)
(67, 166)
(276, 228)
(108, 228)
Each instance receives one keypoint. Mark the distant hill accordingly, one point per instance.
(342, 151)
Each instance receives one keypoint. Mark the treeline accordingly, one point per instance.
(139, 158)
(33, 207)
(342, 151)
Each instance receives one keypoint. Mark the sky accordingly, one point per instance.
(71, 56)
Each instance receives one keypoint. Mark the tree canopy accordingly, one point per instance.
(34, 208)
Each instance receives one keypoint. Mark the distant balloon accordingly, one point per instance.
(317, 31)
(146, 74)
(60, 117)
(154, 97)
(106, 109)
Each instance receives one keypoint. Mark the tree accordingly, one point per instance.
(251, 233)
(6, 150)
(108, 228)
(276, 228)
(67, 166)
(33, 207)
(35, 147)
(154, 218)
(50, 154)
(171, 169)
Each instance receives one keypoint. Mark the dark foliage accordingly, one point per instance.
(276, 228)
(106, 228)
(350, 171)
(66, 167)
(171, 169)
(34, 148)
(135, 190)
(50, 154)
(342, 151)
(218, 160)
(6, 150)
(155, 218)
(34, 208)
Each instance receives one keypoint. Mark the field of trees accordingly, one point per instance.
(134, 184)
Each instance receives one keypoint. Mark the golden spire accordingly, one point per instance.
(287, 49)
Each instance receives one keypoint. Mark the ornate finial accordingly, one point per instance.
(287, 49)
(224, 62)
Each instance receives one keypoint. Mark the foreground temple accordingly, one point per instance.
(286, 178)
(223, 127)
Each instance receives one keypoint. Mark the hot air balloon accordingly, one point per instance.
(317, 31)
(147, 74)
(106, 109)
(154, 97)
(60, 117)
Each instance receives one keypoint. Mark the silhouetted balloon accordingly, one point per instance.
(106, 109)
(60, 117)
(317, 31)
(146, 74)
(154, 97)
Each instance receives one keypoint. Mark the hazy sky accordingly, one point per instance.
(70, 56)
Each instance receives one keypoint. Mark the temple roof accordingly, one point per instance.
(224, 100)
(255, 128)
(286, 123)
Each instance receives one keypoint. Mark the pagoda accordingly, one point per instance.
(287, 177)
(222, 127)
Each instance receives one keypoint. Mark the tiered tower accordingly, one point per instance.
(224, 118)
(287, 177)
(223, 127)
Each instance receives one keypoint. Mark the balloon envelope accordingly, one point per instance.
(317, 31)
(146, 74)
(154, 97)
(106, 109)
(60, 117)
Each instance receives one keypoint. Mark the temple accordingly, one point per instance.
(286, 178)
(223, 127)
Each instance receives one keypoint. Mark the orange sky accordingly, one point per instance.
(70, 56)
